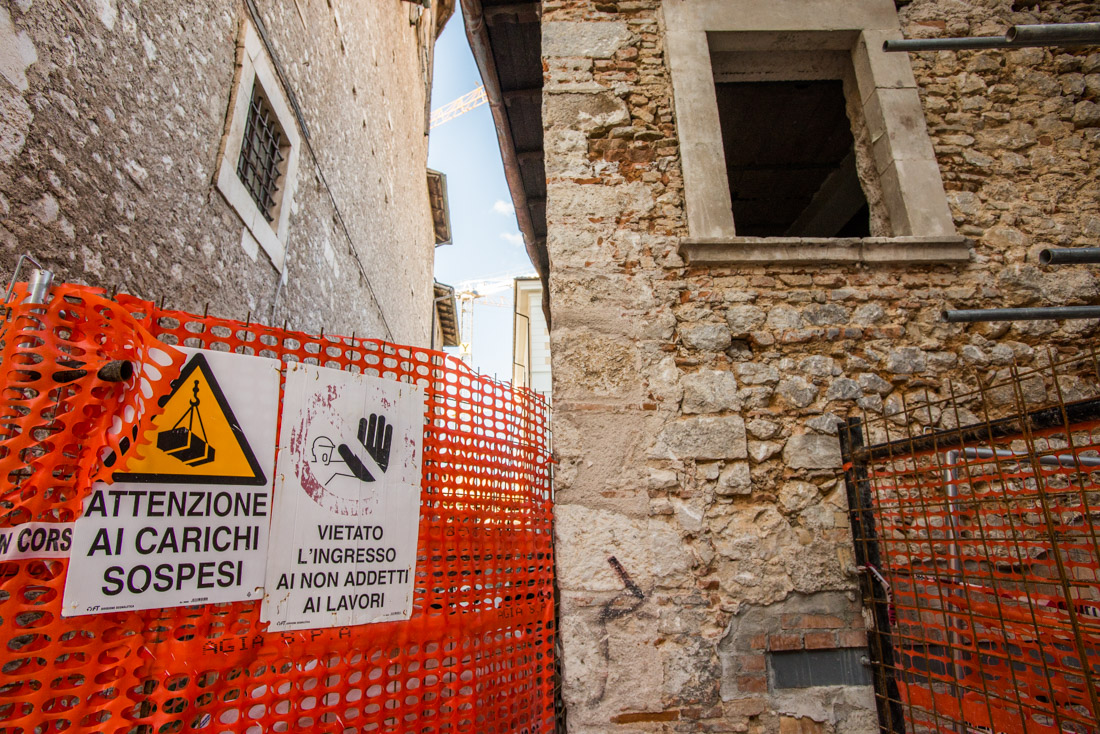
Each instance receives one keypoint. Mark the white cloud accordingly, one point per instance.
(496, 282)
(503, 207)
(512, 238)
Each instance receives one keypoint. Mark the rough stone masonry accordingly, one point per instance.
(696, 406)
(111, 117)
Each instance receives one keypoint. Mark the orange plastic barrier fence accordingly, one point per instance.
(477, 654)
(990, 553)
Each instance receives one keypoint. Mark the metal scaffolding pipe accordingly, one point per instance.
(39, 285)
(945, 44)
(1023, 314)
(1068, 460)
(1018, 36)
(1070, 255)
(1054, 34)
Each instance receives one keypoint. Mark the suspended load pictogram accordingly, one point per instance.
(183, 442)
(198, 438)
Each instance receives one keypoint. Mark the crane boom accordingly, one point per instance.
(467, 300)
(459, 106)
(491, 294)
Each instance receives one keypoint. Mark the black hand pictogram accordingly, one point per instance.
(375, 436)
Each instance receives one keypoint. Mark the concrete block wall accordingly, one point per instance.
(113, 113)
(701, 520)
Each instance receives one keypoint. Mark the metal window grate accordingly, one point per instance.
(980, 552)
(258, 166)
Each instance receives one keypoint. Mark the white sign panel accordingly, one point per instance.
(347, 500)
(36, 540)
(188, 522)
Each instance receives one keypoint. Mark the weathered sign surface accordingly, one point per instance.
(347, 499)
(188, 522)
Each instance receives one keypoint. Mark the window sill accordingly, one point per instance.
(824, 250)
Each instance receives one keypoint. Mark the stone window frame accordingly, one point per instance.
(908, 173)
(255, 67)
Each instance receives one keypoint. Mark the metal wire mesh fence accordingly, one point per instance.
(978, 550)
(477, 654)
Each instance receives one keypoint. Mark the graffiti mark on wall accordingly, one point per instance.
(626, 601)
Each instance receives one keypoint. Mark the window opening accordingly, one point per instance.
(790, 159)
(262, 153)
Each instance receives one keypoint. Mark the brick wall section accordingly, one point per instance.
(113, 113)
(696, 407)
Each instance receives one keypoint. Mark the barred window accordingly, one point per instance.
(258, 156)
(260, 164)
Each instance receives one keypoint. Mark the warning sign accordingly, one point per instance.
(187, 523)
(199, 440)
(347, 500)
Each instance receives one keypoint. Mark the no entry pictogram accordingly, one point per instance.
(347, 500)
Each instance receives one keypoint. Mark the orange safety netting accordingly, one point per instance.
(477, 654)
(992, 558)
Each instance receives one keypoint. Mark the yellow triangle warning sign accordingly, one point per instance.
(198, 440)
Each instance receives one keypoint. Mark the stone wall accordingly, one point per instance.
(112, 115)
(701, 517)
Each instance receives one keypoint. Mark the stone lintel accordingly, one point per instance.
(824, 250)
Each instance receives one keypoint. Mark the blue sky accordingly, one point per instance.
(488, 249)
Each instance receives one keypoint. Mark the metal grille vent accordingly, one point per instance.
(261, 154)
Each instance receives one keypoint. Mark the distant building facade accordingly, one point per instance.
(245, 156)
(445, 328)
(749, 219)
(530, 338)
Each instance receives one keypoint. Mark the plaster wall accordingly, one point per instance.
(112, 116)
(696, 404)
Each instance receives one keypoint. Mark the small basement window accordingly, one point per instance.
(790, 159)
(808, 668)
(263, 153)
